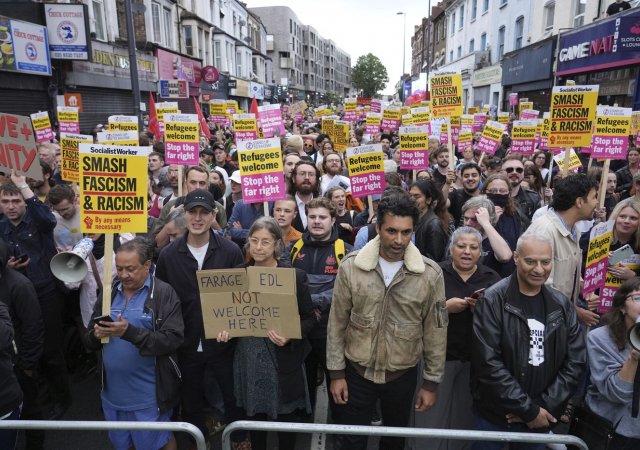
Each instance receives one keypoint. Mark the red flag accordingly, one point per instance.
(254, 107)
(154, 126)
(204, 127)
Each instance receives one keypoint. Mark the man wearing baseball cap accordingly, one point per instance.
(200, 249)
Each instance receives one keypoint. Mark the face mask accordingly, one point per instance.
(500, 200)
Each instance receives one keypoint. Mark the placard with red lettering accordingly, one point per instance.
(18, 147)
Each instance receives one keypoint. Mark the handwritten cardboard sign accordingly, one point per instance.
(18, 147)
(249, 302)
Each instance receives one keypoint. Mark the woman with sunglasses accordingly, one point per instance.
(614, 363)
(269, 372)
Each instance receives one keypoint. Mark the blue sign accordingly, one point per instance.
(610, 43)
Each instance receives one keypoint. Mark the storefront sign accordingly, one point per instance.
(113, 61)
(173, 89)
(607, 43)
(67, 31)
(172, 66)
(517, 67)
(24, 47)
(366, 169)
(487, 75)
(113, 188)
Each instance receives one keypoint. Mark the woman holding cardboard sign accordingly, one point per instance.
(264, 366)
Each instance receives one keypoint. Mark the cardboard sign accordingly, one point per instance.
(245, 127)
(42, 126)
(341, 135)
(491, 137)
(68, 120)
(523, 137)
(182, 139)
(297, 107)
(70, 147)
(261, 170)
(127, 138)
(123, 123)
(572, 114)
(597, 257)
(391, 118)
(574, 160)
(372, 123)
(271, 120)
(611, 137)
(18, 147)
(113, 188)
(414, 148)
(249, 302)
(446, 94)
(366, 169)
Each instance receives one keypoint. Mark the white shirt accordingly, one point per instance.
(328, 181)
(301, 211)
(199, 253)
(389, 269)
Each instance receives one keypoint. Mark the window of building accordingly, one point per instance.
(474, 9)
(188, 39)
(503, 3)
(217, 55)
(472, 45)
(519, 31)
(98, 22)
(459, 51)
(501, 34)
(578, 16)
(239, 64)
(461, 17)
(155, 20)
(167, 27)
(549, 12)
(451, 56)
(483, 41)
(453, 24)
(485, 6)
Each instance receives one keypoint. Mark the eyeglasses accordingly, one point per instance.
(511, 169)
(308, 145)
(634, 297)
(497, 191)
(263, 242)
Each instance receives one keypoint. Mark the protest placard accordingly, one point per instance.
(635, 123)
(218, 112)
(42, 126)
(232, 108)
(473, 110)
(123, 123)
(513, 99)
(322, 110)
(18, 147)
(130, 138)
(572, 115)
(435, 127)
(182, 139)
(69, 148)
(68, 119)
(327, 126)
(414, 148)
(456, 123)
(491, 137)
(420, 116)
(372, 123)
(544, 126)
(597, 257)
(479, 121)
(446, 94)
(612, 284)
(249, 302)
(340, 135)
(261, 170)
(524, 105)
(523, 137)
(390, 118)
(350, 110)
(503, 117)
(163, 108)
(407, 119)
(465, 137)
(444, 131)
(245, 127)
(297, 107)
(366, 169)
(611, 137)
(271, 120)
(113, 188)
(574, 160)
(529, 114)
(376, 106)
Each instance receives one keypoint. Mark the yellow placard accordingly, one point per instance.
(113, 188)
(612, 122)
(258, 162)
(420, 116)
(503, 117)
(367, 163)
(340, 135)
(574, 160)
(350, 104)
(407, 119)
(218, 108)
(166, 108)
(492, 132)
(69, 148)
(233, 105)
(241, 123)
(327, 127)
(466, 120)
(464, 137)
(446, 94)
(123, 123)
(181, 131)
(599, 248)
(635, 123)
(414, 138)
(572, 115)
(68, 114)
(524, 105)
(373, 119)
(473, 110)
(523, 131)
(392, 113)
(41, 122)
(129, 138)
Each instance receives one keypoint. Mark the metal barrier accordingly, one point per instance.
(60, 425)
(466, 435)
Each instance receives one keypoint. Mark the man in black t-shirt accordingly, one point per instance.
(617, 7)
(515, 390)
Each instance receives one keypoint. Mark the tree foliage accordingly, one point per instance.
(370, 75)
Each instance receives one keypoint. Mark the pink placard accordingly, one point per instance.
(595, 276)
(271, 120)
(69, 127)
(182, 153)
(264, 187)
(372, 129)
(390, 124)
(414, 159)
(45, 134)
(368, 184)
(245, 136)
(609, 147)
(376, 106)
(513, 99)
(523, 146)
(351, 116)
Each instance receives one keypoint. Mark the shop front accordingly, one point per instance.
(606, 53)
(487, 85)
(105, 83)
(173, 66)
(244, 91)
(529, 73)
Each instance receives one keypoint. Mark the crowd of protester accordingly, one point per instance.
(452, 300)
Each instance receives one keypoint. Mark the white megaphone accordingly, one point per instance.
(634, 336)
(71, 266)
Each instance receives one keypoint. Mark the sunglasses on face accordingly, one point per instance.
(511, 169)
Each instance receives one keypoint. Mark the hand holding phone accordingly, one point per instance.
(105, 318)
(477, 293)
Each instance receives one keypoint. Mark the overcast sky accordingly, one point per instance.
(362, 26)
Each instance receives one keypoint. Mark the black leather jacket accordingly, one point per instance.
(500, 353)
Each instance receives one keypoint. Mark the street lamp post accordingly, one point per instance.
(404, 48)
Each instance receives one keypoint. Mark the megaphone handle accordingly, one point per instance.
(106, 285)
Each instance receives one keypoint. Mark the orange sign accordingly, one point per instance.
(74, 100)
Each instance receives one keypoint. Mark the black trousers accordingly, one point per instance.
(31, 408)
(396, 401)
(192, 366)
